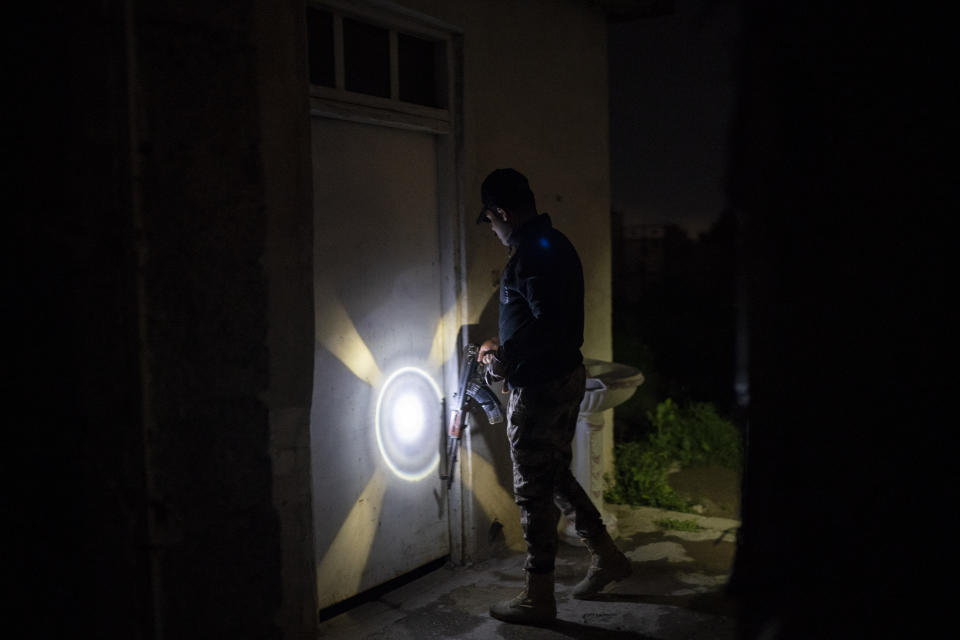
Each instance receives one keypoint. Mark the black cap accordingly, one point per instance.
(507, 189)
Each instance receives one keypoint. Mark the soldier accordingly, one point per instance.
(537, 356)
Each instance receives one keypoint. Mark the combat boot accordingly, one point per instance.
(535, 604)
(607, 564)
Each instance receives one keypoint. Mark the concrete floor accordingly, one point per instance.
(675, 592)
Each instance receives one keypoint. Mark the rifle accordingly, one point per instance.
(471, 387)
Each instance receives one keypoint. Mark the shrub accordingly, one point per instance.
(640, 477)
(694, 435)
(678, 525)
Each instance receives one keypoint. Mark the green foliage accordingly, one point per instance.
(689, 436)
(695, 435)
(678, 525)
(640, 477)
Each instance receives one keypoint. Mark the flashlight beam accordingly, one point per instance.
(336, 333)
(340, 572)
(444, 341)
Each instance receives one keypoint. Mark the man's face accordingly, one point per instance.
(501, 227)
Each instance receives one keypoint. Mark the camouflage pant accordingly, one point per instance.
(541, 425)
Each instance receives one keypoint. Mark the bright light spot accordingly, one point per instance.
(408, 418)
(409, 423)
(443, 347)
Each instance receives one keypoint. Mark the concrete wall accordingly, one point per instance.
(205, 312)
(75, 508)
(279, 39)
(160, 218)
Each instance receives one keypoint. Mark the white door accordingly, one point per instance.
(379, 506)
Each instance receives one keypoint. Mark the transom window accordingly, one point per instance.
(371, 65)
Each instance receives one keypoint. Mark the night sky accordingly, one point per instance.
(671, 98)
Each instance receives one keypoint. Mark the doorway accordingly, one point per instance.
(378, 503)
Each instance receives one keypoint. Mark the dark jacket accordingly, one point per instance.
(541, 305)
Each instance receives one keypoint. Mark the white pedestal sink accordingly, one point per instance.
(608, 384)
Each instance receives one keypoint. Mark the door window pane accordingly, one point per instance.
(422, 67)
(320, 47)
(366, 57)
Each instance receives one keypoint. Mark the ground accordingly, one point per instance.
(715, 489)
(676, 590)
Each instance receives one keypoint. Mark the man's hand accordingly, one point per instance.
(494, 369)
(487, 349)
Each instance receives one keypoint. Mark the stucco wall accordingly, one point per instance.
(280, 39)
(204, 309)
